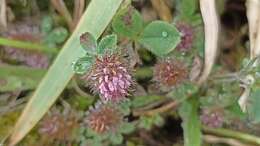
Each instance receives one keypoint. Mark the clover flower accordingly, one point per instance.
(110, 78)
(187, 37)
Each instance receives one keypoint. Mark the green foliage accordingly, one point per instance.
(187, 8)
(141, 101)
(128, 23)
(127, 128)
(160, 37)
(107, 44)
(254, 108)
(46, 25)
(183, 91)
(147, 122)
(191, 122)
(53, 36)
(88, 43)
(83, 64)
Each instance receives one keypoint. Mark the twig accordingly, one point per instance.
(162, 9)
(211, 27)
(232, 134)
(229, 141)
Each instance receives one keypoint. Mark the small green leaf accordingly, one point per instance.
(191, 122)
(116, 138)
(124, 107)
(83, 64)
(108, 43)
(46, 25)
(146, 122)
(158, 120)
(183, 91)
(160, 38)
(88, 42)
(128, 23)
(56, 36)
(187, 8)
(141, 101)
(127, 128)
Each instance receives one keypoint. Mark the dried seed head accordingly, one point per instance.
(170, 72)
(187, 37)
(103, 118)
(212, 118)
(110, 78)
(57, 126)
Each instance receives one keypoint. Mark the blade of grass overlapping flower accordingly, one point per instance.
(95, 19)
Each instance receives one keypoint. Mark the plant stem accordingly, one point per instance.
(232, 134)
(27, 45)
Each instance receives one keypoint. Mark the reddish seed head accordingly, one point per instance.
(103, 118)
(187, 37)
(57, 126)
(110, 78)
(170, 72)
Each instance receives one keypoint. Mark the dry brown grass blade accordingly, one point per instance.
(3, 20)
(253, 15)
(162, 9)
(211, 28)
(79, 6)
(60, 6)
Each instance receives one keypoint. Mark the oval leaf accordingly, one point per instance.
(83, 64)
(88, 42)
(108, 43)
(160, 38)
(128, 23)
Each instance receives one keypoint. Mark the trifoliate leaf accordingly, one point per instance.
(160, 37)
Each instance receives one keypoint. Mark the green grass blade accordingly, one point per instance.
(97, 16)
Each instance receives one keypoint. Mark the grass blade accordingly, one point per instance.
(94, 20)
